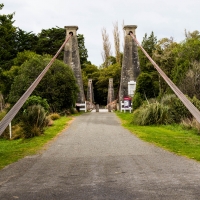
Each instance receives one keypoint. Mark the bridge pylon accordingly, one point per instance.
(111, 96)
(71, 58)
(130, 65)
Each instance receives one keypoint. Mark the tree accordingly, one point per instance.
(9, 75)
(190, 85)
(89, 71)
(101, 86)
(147, 82)
(188, 52)
(165, 55)
(50, 40)
(58, 86)
(116, 35)
(8, 49)
(106, 48)
(83, 53)
(149, 44)
(25, 40)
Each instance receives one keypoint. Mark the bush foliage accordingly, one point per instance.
(169, 110)
(58, 86)
(33, 121)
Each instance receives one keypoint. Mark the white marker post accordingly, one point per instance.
(10, 130)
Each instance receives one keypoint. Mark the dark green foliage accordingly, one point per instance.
(149, 44)
(36, 100)
(89, 71)
(50, 40)
(137, 101)
(25, 40)
(188, 52)
(148, 80)
(34, 121)
(58, 86)
(177, 110)
(23, 57)
(7, 41)
(83, 53)
(112, 71)
(165, 56)
(146, 86)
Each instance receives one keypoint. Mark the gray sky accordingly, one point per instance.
(166, 18)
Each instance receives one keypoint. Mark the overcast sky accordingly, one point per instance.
(166, 18)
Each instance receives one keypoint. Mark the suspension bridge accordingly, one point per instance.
(129, 73)
(96, 158)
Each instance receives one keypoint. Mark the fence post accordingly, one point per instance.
(10, 130)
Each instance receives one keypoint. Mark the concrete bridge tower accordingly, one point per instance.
(111, 96)
(90, 92)
(130, 65)
(71, 58)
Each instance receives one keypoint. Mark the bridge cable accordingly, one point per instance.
(193, 110)
(14, 110)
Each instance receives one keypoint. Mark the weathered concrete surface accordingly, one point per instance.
(111, 96)
(98, 159)
(71, 58)
(90, 91)
(130, 65)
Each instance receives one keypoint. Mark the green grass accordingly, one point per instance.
(171, 137)
(13, 150)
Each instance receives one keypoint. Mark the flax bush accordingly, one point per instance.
(154, 113)
(34, 121)
(191, 124)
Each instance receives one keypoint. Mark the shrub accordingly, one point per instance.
(33, 121)
(196, 102)
(137, 101)
(54, 116)
(177, 109)
(191, 123)
(73, 110)
(36, 100)
(154, 113)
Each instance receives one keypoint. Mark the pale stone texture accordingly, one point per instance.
(130, 65)
(90, 92)
(71, 58)
(111, 96)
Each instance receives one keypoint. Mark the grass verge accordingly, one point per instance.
(171, 137)
(13, 150)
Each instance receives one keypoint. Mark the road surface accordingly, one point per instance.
(97, 159)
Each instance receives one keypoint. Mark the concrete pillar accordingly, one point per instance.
(71, 58)
(111, 96)
(130, 65)
(90, 92)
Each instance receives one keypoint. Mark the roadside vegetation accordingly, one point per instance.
(177, 138)
(13, 150)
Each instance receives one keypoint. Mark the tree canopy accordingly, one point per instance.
(58, 86)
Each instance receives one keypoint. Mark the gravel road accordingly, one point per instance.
(97, 159)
